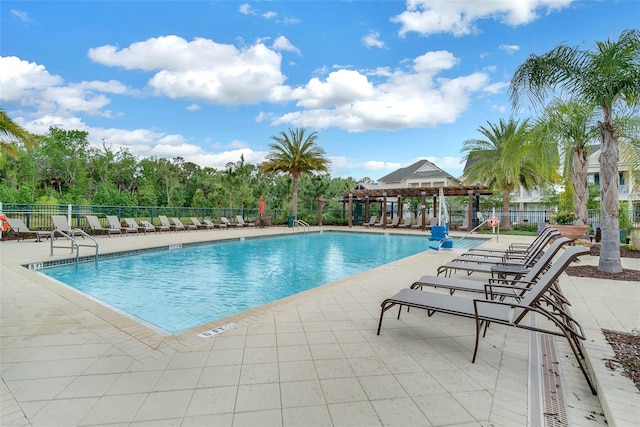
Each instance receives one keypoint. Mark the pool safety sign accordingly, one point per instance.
(219, 329)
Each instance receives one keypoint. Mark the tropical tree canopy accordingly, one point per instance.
(573, 125)
(295, 153)
(508, 158)
(11, 132)
(606, 78)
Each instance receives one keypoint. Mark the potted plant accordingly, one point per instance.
(564, 221)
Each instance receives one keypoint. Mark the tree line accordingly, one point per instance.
(62, 167)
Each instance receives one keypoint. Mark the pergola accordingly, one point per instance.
(379, 195)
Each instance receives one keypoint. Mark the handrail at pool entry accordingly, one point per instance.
(74, 242)
(301, 223)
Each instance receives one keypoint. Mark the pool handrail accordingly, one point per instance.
(74, 242)
(300, 223)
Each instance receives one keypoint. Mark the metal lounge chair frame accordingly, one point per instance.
(540, 298)
(459, 284)
(20, 228)
(148, 227)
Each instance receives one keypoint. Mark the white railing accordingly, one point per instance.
(300, 223)
(73, 241)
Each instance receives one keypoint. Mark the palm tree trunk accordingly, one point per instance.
(609, 204)
(579, 181)
(506, 211)
(296, 180)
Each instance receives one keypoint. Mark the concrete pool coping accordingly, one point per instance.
(317, 351)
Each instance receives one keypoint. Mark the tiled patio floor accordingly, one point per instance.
(310, 359)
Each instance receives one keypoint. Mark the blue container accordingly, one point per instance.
(447, 244)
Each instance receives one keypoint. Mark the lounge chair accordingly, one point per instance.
(180, 225)
(224, 220)
(164, 221)
(214, 225)
(131, 223)
(514, 250)
(19, 227)
(61, 223)
(150, 228)
(406, 222)
(96, 227)
(539, 299)
(459, 284)
(380, 222)
(241, 222)
(418, 223)
(200, 226)
(500, 266)
(465, 225)
(372, 221)
(114, 222)
(432, 222)
(394, 222)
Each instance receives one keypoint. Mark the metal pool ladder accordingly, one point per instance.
(75, 245)
(300, 223)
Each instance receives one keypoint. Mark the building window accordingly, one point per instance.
(636, 211)
(596, 178)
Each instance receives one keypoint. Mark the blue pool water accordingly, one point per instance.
(182, 288)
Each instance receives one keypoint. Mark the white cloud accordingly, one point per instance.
(245, 9)
(407, 97)
(193, 107)
(30, 86)
(200, 69)
(22, 80)
(510, 48)
(270, 15)
(373, 40)
(376, 165)
(282, 43)
(460, 17)
(23, 16)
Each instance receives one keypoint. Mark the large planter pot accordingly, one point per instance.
(635, 239)
(572, 231)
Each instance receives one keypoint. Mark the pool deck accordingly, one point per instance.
(310, 359)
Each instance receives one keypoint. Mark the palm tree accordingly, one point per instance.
(573, 125)
(9, 131)
(508, 158)
(295, 153)
(607, 78)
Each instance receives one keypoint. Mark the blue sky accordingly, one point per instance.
(384, 83)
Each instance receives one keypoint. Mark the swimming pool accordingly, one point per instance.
(180, 288)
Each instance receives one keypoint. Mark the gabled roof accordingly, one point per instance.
(420, 169)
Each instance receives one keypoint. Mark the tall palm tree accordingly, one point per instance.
(606, 77)
(508, 158)
(10, 131)
(296, 154)
(573, 125)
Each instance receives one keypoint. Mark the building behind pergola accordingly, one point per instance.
(385, 194)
